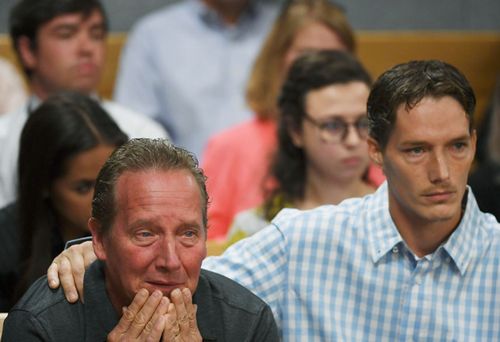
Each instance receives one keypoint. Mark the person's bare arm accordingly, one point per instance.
(68, 269)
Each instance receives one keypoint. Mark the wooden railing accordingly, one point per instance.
(476, 54)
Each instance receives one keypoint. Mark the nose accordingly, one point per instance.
(86, 44)
(351, 137)
(439, 169)
(167, 257)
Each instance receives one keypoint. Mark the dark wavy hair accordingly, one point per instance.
(408, 84)
(65, 125)
(27, 16)
(309, 72)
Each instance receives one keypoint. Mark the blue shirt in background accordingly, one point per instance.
(184, 67)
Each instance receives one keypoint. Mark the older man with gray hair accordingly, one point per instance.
(148, 225)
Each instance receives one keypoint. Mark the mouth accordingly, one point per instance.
(440, 196)
(165, 287)
(86, 68)
(352, 161)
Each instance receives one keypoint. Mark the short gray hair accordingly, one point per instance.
(140, 155)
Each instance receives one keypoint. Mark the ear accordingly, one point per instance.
(296, 136)
(26, 53)
(97, 238)
(375, 152)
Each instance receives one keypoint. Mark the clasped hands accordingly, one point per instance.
(156, 318)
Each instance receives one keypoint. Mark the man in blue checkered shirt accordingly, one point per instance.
(416, 260)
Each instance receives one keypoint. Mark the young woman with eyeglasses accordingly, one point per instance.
(322, 155)
(236, 160)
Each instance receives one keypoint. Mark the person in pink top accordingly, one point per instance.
(237, 160)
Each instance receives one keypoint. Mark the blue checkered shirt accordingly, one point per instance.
(343, 273)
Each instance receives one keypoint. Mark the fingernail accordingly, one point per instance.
(157, 294)
(176, 292)
(52, 283)
(72, 297)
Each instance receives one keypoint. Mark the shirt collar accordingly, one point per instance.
(212, 19)
(382, 233)
(462, 246)
(468, 240)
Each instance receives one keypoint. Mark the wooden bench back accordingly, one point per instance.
(476, 54)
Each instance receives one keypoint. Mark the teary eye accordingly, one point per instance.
(144, 233)
(415, 151)
(144, 237)
(190, 236)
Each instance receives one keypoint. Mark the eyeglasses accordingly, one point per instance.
(335, 130)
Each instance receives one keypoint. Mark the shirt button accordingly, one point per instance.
(395, 249)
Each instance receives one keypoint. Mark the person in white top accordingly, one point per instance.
(61, 46)
(12, 92)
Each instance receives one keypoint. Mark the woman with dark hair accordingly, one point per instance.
(64, 143)
(322, 155)
(236, 160)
